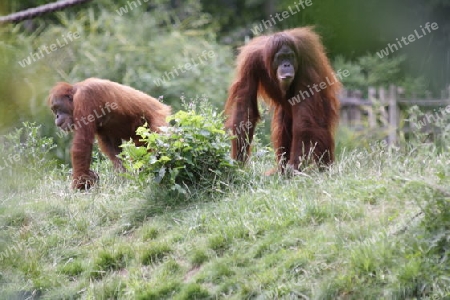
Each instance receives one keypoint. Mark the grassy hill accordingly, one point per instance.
(375, 226)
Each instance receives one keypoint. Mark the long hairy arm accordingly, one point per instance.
(241, 107)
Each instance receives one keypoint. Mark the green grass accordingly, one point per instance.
(347, 233)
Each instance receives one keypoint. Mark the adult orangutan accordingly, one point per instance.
(106, 109)
(291, 72)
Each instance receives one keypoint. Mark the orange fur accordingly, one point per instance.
(296, 129)
(108, 110)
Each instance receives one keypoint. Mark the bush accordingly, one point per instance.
(159, 60)
(26, 147)
(371, 71)
(24, 158)
(155, 49)
(194, 150)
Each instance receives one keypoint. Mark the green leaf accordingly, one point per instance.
(195, 150)
(137, 165)
(153, 159)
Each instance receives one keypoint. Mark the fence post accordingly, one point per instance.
(356, 109)
(372, 93)
(343, 113)
(393, 124)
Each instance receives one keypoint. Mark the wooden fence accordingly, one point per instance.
(386, 109)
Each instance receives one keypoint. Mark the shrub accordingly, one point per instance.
(24, 157)
(27, 146)
(371, 71)
(193, 151)
(169, 53)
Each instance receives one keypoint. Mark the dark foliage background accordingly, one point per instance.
(141, 46)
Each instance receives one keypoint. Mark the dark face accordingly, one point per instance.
(285, 63)
(62, 107)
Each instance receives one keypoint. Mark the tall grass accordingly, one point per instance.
(375, 226)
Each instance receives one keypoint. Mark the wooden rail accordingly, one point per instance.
(386, 110)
